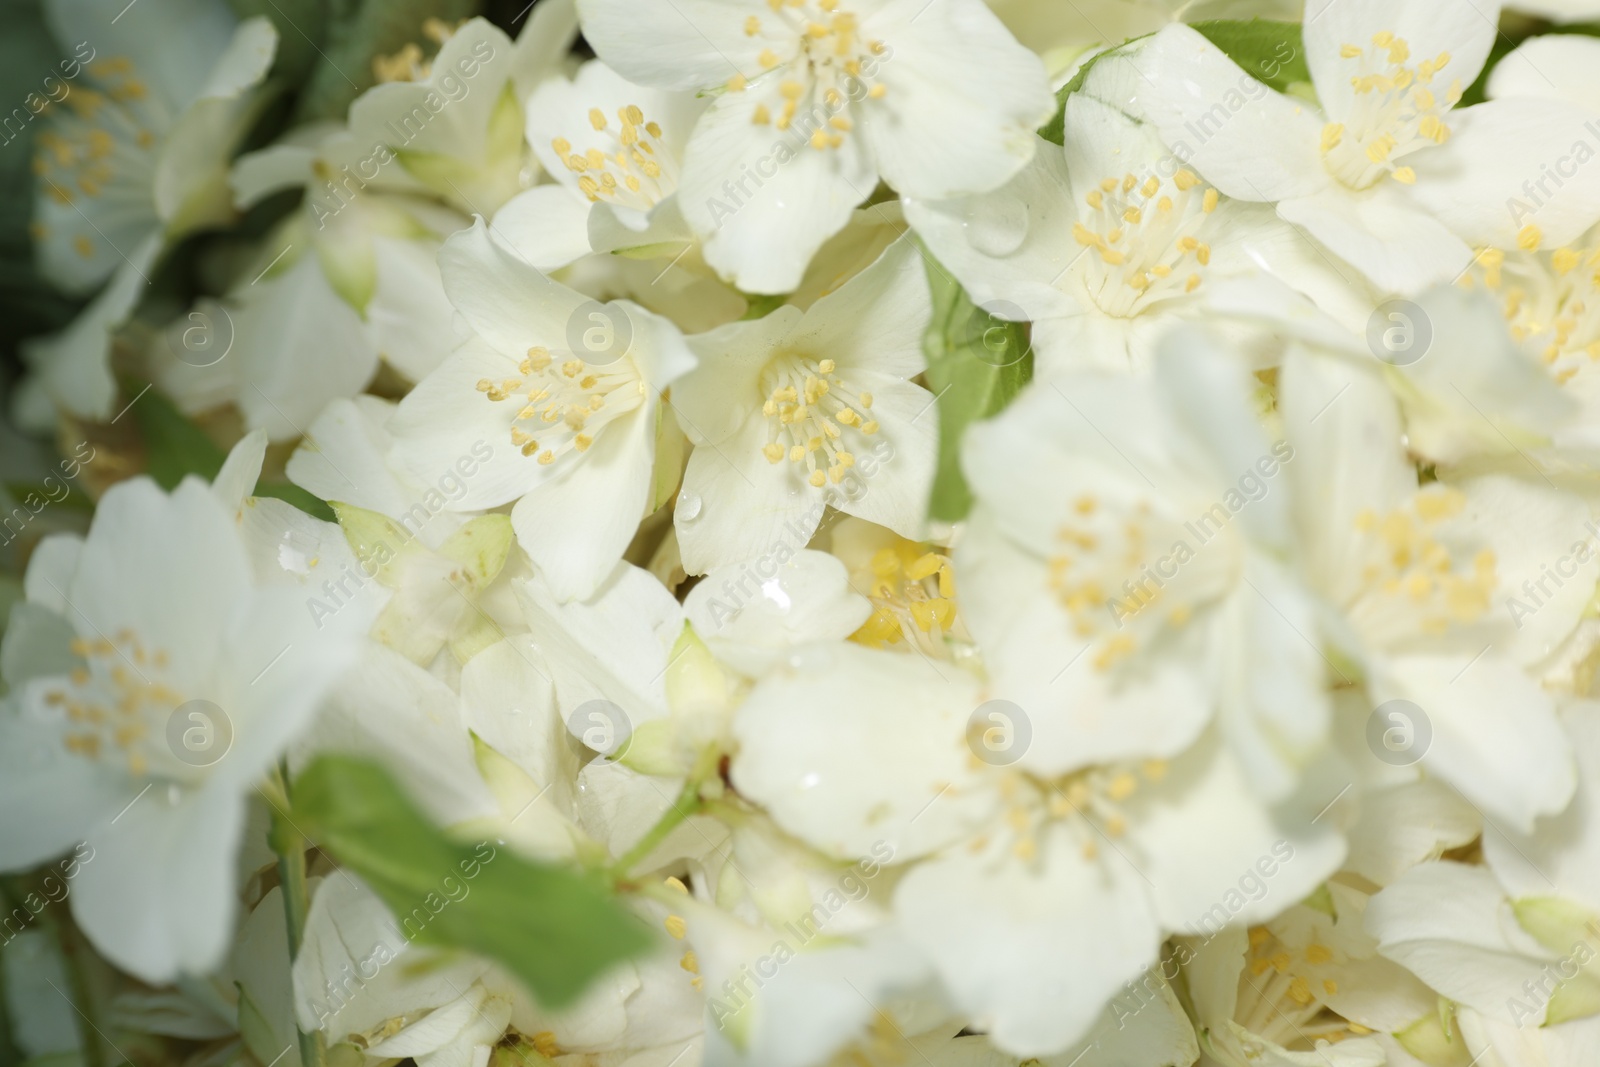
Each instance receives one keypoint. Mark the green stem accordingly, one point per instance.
(75, 952)
(688, 802)
(290, 846)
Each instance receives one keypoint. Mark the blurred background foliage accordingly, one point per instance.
(324, 61)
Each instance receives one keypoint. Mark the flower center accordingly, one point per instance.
(408, 64)
(809, 408)
(563, 405)
(112, 703)
(1088, 801)
(1282, 996)
(1147, 239)
(1550, 299)
(629, 167)
(106, 137)
(913, 593)
(1394, 113)
(1411, 577)
(1125, 574)
(831, 69)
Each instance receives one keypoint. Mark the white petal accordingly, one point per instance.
(1383, 233)
(391, 711)
(1404, 825)
(749, 507)
(875, 321)
(1495, 734)
(1214, 853)
(853, 748)
(689, 45)
(1452, 925)
(1248, 141)
(931, 138)
(1563, 857)
(75, 364)
(1031, 951)
(1007, 245)
(506, 300)
(548, 226)
(158, 898)
(297, 346)
(613, 646)
(1553, 66)
(576, 527)
(750, 615)
(413, 324)
(761, 232)
(1479, 184)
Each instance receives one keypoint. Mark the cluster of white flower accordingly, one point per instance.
(833, 532)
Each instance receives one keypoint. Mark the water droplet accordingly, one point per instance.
(688, 506)
(810, 780)
(997, 225)
(174, 794)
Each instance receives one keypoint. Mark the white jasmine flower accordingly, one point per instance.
(1107, 243)
(820, 100)
(348, 280)
(564, 390)
(1126, 583)
(615, 150)
(797, 410)
(165, 96)
(163, 682)
(1037, 894)
(1306, 987)
(1388, 176)
(456, 123)
(1416, 572)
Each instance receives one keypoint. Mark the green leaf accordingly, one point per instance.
(1270, 51)
(290, 493)
(1054, 131)
(555, 929)
(74, 498)
(174, 446)
(976, 365)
